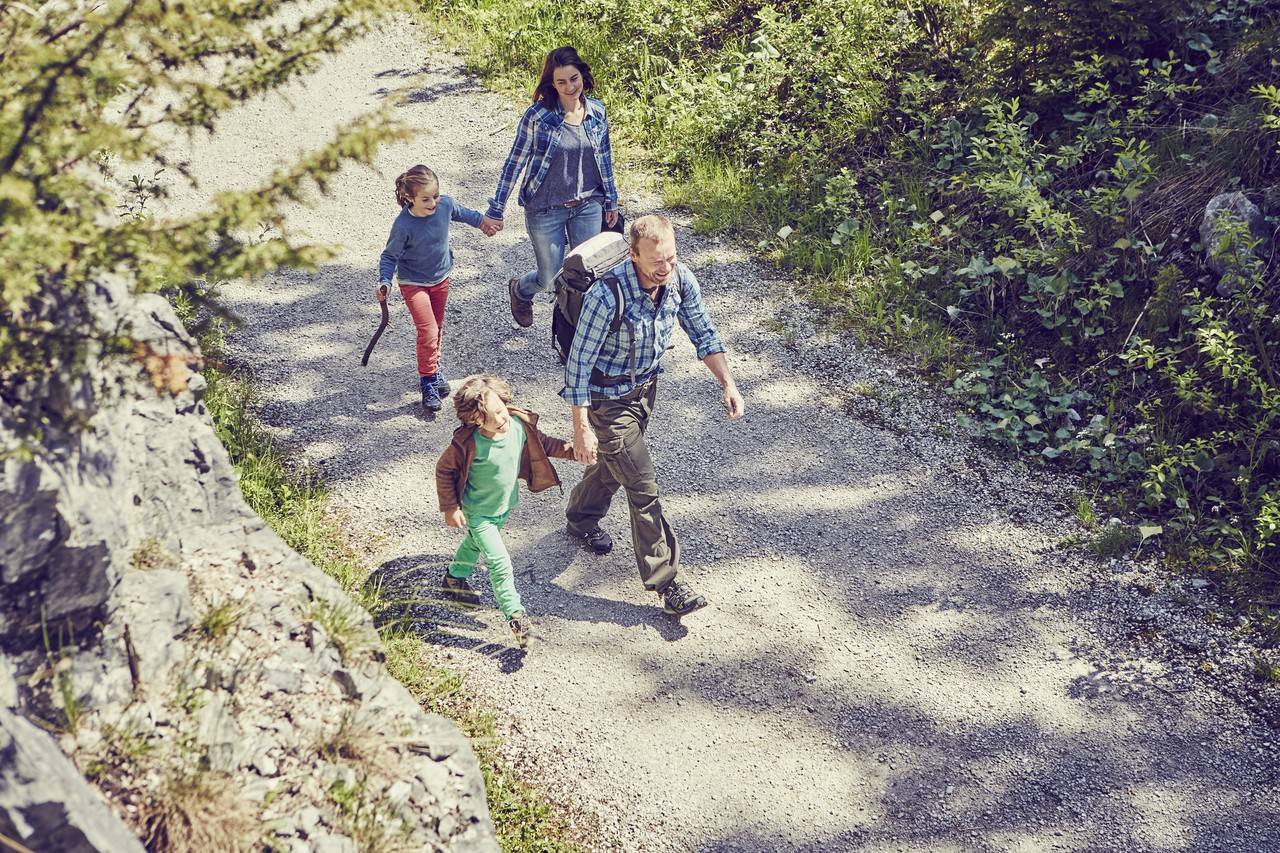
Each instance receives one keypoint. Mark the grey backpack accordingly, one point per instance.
(583, 267)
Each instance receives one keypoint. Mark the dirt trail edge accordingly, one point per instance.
(899, 654)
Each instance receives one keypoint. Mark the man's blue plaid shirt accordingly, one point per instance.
(653, 324)
(536, 138)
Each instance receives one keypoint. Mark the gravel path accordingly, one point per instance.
(901, 654)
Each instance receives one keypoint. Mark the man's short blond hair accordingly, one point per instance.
(653, 227)
(468, 400)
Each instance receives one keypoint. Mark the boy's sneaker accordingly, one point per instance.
(679, 598)
(596, 540)
(521, 628)
(459, 590)
(431, 401)
(521, 311)
(442, 386)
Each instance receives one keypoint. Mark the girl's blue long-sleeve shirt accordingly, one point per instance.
(418, 248)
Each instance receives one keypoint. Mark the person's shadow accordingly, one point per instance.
(559, 551)
(407, 593)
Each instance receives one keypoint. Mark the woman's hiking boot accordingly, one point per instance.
(595, 539)
(521, 628)
(679, 598)
(457, 589)
(521, 310)
(431, 401)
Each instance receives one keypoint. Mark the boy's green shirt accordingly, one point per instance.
(493, 486)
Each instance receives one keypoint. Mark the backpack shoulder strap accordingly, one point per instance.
(615, 286)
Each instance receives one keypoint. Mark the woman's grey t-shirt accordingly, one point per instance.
(573, 174)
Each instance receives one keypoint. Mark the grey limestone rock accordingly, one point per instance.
(44, 802)
(1225, 250)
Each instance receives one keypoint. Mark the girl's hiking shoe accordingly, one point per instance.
(457, 589)
(597, 540)
(431, 401)
(521, 628)
(679, 598)
(442, 386)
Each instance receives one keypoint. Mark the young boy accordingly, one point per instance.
(477, 482)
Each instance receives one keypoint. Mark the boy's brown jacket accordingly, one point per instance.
(535, 466)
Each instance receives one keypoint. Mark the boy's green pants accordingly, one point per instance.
(484, 538)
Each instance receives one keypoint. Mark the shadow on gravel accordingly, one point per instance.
(410, 592)
(440, 90)
(556, 552)
(1013, 785)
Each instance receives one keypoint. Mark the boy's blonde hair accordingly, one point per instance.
(468, 400)
(410, 181)
(653, 227)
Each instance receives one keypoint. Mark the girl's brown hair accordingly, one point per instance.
(468, 400)
(409, 182)
(546, 93)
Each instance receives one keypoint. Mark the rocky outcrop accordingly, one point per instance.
(214, 685)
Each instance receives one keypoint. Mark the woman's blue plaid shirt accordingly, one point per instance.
(536, 137)
(653, 323)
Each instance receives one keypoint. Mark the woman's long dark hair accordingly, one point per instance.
(545, 93)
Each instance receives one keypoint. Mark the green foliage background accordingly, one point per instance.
(1009, 192)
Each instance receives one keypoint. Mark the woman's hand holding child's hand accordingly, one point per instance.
(455, 518)
(490, 226)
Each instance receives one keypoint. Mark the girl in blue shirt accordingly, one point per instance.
(418, 254)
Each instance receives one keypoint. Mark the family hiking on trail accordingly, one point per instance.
(619, 300)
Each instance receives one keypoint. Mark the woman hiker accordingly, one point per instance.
(568, 193)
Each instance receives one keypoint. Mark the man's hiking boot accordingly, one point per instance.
(521, 628)
(521, 311)
(679, 598)
(459, 590)
(431, 401)
(597, 540)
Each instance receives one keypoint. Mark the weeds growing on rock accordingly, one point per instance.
(59, 651)
(1266, 671)
(196, 812)
(374, 824)
(350, 740)
(219, 620)
(150, 555)
(344, 623)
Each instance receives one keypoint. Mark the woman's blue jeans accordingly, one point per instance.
(552, 232)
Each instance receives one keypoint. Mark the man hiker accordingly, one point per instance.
(611, 380)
